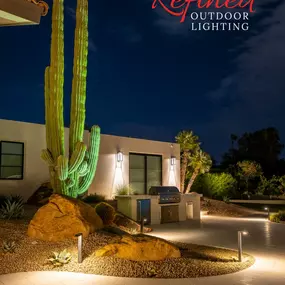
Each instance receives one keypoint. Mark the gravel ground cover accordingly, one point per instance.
(31, 255)
(220, 208)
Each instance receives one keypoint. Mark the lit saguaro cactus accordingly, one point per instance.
(70, 175)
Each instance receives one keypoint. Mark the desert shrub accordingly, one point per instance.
(106, 212)
(60, 258)
(125, 190)
(8, 246)
(215, 185)
(94, 198)
(278, 217)
(13, 208)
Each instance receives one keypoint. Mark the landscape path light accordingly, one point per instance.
(79, 246)
(240, 234)
(268, 212)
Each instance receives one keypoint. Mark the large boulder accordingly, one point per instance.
(127, 224)
(140, 248)
(62, 218)
(106, 212)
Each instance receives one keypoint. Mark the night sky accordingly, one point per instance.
(150, 77)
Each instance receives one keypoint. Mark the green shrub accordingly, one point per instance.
(215, 185)
(12, 209)
(106, 212)
(278, 217)
(94, 198)
(125, 190)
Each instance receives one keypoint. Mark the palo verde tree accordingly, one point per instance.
(71, 172)
(189, 145)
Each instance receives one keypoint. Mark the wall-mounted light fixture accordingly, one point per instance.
(173, 160)
(120, 157)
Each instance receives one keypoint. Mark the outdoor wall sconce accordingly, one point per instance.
(119, 159)
(79, 246)
(240, 234)
(172, 162)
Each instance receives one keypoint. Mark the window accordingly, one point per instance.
(145, 171)
(11, 160)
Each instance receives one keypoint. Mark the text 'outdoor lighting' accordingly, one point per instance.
(119, 159)
(240, 234)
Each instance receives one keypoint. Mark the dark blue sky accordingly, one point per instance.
(150, 77)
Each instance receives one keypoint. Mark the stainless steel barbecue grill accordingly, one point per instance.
(167, 194)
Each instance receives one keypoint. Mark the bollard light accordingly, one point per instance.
(240, 234)
(79, 246)
(268, 212)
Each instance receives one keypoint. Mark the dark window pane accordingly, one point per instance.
(154, 171)
(11, 160)
(11, 172)
(137, 173)
(12, 148)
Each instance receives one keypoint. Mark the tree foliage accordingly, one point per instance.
(275, 186)
(189, 145)
(215, 185)
(199, 163)
(262, 146)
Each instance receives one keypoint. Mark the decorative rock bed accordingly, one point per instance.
(31, 255)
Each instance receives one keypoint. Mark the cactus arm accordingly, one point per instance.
(77, 157)
(62, 167)
(78, 95)
(92, 160)
(47, 157)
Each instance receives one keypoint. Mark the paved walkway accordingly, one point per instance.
(266, 241)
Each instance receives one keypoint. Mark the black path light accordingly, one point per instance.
(79, 246)
(240, 235)
(268, 212)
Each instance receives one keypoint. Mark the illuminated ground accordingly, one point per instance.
(265, 242)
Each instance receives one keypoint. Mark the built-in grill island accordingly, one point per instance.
(163, 204)
(166, 194)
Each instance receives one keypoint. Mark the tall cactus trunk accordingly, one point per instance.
(70, 175)
(78, 95)
(54, 77)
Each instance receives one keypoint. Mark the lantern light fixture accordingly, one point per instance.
(119, 156)
(173, 160)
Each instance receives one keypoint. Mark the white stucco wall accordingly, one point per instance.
(107, 175)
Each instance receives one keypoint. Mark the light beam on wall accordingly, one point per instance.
(172, 178)
(118, 176)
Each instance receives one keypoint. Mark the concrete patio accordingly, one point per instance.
(265, 241)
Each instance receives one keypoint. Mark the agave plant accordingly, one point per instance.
(60, 258)
(8, 246)
(12, 209)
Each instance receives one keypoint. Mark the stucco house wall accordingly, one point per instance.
(107, 177)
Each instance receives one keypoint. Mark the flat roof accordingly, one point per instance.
(19, 13)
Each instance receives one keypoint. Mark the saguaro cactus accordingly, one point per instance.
(70, 175)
